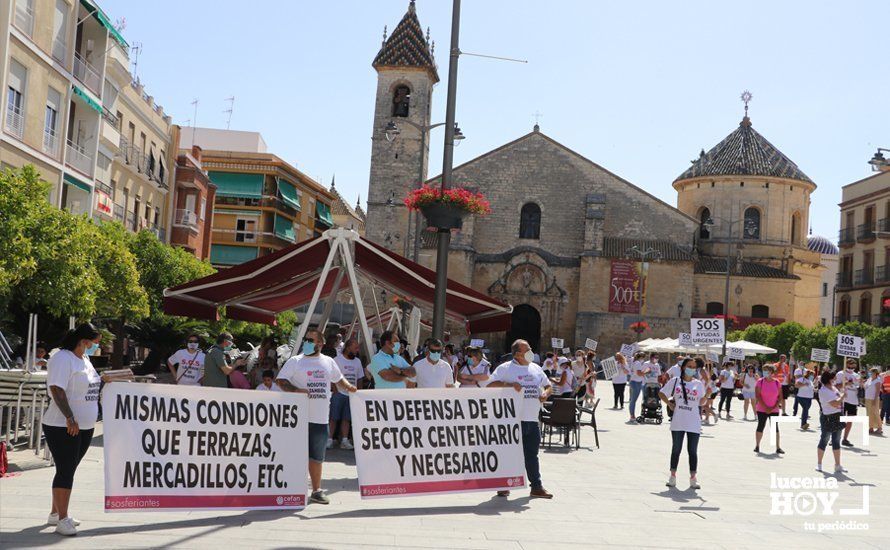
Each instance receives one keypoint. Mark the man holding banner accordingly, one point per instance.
(313, 373)
(526, 377)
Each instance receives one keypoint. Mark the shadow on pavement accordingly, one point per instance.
(494, 507)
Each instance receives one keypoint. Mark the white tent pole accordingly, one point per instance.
(360, 308)
(376, 308)
(352, 326)
(332, 297)
(33, 365)
(304, 326)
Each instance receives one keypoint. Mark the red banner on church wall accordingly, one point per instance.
(625, 287)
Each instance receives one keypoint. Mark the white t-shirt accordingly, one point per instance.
(728, 379)
(578, 368)
(826, 395)
(262, 387)
(570, 379)
(316, 374)
(351, 369)
(429, 375)
(654, 371)
(621, 377)
(750, 382)
(549, 365)
(533, 381)
(81, 383)
(807, 389)
(674, 371)
(482, 368)
(872, 385)
(687, 412)
(851, 390)
(191, 366)
(798, 373)
(634, 367)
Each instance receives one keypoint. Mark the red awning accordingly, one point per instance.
(284, 280)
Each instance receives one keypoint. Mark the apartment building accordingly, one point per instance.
(193, 203)
(262, 203)
(863, 281)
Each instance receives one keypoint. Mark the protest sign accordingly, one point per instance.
(820, 355)
(567, 350)
(590, 344)
(189, 447)
(861, 347)
(477, 343)
(849, 346)
(712, 356)
(433, 441)
(685, 339)
(610, 367)
(707, 331)
(628, 350)
(735, 353)
(556, 343)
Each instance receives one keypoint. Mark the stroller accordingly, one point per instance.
(651, 405)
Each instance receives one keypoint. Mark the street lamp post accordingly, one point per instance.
(729, 241)
(644, 255)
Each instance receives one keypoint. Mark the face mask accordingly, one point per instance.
(92, 349)
(689, 372)
(192, 346)
(469, 361)
(435, 356)
(308, 348)
(529, 356)
(767, 373)
(227, 347)
(396, 346)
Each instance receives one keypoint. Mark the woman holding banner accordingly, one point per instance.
(684, 396)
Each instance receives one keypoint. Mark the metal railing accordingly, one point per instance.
(864, 277)
(846, 236)
(223, 236)
(186, 218)
(105, 188)
(77, 157)
(24, 18)
(865, 231)
(882, 273)
(50, 143)
(119, 212)
(841, 319)
(86, 73)
(131, 220)
(884, 227)
(844, 279)
(15, 121)
(111, 118)
(60, 49)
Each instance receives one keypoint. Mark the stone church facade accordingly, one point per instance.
(560, 243)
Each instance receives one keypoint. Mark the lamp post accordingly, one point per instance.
(729, 241)
(644, 255)
(391, 132)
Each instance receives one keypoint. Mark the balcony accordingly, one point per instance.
(60, 49)
(884, 228)
(15, 121)
(841, 319)
(186, 218)
(844, 279)
(131, 221)
(864, 277)
(87, 74)
(118, 213)
(865, 232)
(51, 143)
(882, 274)
(846, 237)
(24, 18)
(78, 158)
(267, 238)
(109, 129)
(105, 188)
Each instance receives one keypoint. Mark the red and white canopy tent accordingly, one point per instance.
(318, 269)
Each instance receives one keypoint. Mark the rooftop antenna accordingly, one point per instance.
(228, 111)
(195, 121)
(135, 50)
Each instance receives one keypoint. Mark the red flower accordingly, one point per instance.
(639, 327)
(457, 197)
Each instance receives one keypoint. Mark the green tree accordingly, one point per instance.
(818, 337)
(758, 333)
(22, 200)
(782, 336)
(122, 297)
(878, 347)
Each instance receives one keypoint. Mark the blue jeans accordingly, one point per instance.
(636, 388)
(531, 442)
(805, 403)
(691, 448)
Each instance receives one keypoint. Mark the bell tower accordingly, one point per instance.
(406, 74)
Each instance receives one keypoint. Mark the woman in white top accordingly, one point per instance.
(590, 380)
(831, 426)
(804, 398)
(749, 380)
(619, 381)
(684, 396)
(637, 377)
(564, 379)
(68, 423)
(873, 401)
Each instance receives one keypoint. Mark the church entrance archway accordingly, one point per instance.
(525, 324)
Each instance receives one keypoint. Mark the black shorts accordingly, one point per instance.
(762, 418)
(849, 409)
(786, 391)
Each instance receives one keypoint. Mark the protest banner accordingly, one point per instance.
(567, 350)
(610, 367)
(849, 346)
(189, 447)
(625, 287)
(590, 344)
(628, 350)
(735, 353)
(685, 339)
(434, 441)
(712, 356)
(820, 355)
(477, 343)
(707, 331)
(556, 343)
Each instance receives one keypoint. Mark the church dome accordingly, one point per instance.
(820, 244)
(744, 152)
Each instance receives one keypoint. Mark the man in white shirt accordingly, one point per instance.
(433, 371)
(528, 379)
(847, 381)
(313, 373)
(187, 365)
(352, 370)
(476, 371)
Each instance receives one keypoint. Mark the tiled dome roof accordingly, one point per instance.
(406, 46)
(820, 244)
(744, 152)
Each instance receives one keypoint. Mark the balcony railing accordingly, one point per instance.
(841, 319)
(186, 218)
(87, 74)
(846, 236)
(119, 212)
(865, 232)
(15, 121)
(50, 143)
(844, 279)
(884, 227)
(131, 220)
(60, 49)
(224, 236)
(77, 157)
(24, 18)
(111, 118)
(882, 273)
(864, 277)
(105, 188)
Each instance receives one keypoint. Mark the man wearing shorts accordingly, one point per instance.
(313, 373)
(847, 381)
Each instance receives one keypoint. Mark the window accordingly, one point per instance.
(190, 203)
(244, 230)
(400, 101)
(60, 31)
(760, 311)
(714, 308)
(752, 224)
(795, 228)
(51, 122)
(24, 16)
(203, 208)
(704, 230)
(157, 219)
(530, 221)
(15, 99)
(824, 289)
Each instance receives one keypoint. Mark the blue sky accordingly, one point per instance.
(637, 87)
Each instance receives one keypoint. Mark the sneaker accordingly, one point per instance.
(53, 519)
(846, 443)
(805, 427)
(318, 497)
(66, 527)
(503, 493)
(730, 417)
(780, 452)
(818, 467)
(345, 444)
(540, 493)
(671, 482)
(838, 469)
(757, 450)
(694, 484)
(330, 444)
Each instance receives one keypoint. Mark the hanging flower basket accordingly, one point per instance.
(639, 327)
(447, 209)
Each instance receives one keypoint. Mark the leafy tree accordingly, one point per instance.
(22, 199)
(121, 295)
(782, 336)
(819, 337)
(758, 333)
(878, 347)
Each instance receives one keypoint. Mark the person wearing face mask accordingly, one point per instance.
(873, 401)
(476, 371)
(312, 373)
(187, 364)
(831, 400)
(619, 381)
(684, 396)
(749, 380)
(351, 367)
(804, 398)
(434, 371)
(68, 423)
(216, 363)
(768, 401)
(847, 381)
(529, 380)
(389, 369)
